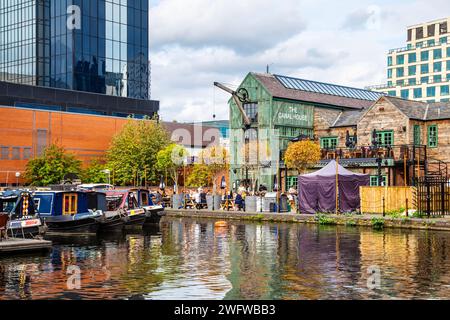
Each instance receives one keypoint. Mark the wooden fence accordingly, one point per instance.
(389, 199)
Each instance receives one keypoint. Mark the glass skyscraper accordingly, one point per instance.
(85, 45)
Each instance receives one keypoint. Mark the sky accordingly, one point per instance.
(196, 42)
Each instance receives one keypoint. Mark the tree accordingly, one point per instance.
(94, 173)
(199, 177)
(301, 155)
(132, 154)
(51, 168)
(170, 160)
(216, 160)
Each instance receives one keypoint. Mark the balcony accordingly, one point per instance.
(369, 156)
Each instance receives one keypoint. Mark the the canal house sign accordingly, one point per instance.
(295, 115)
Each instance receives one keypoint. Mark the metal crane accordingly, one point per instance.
(240, 97)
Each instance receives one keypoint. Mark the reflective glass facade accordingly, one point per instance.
(94, 46)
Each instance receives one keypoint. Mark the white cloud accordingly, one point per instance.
(194, 43)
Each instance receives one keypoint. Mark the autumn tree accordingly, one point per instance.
(171, 160)
(216, 160)
(301, 155)
(133, 151)
(52, 166)
(200, 176)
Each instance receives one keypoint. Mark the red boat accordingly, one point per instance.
(126, 202)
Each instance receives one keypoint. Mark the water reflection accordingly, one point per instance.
(193, 259)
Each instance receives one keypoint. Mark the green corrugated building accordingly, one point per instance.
(280, 109)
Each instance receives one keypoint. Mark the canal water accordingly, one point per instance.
(195, 259)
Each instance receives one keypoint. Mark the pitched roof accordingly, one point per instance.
(348, 118)
(316, 92)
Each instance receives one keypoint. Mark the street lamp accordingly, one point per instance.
(17, 178)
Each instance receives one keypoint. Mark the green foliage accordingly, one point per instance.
(350, 223)
(51, 168)
(133, 152)
(324, 220)
(94, 172)
(199, 177)
(215, 159)
(171, 159)
(396, 213)
(377, 223)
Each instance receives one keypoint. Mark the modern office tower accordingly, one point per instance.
(91, 46)
(421, 70)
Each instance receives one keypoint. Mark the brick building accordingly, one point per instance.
(410, 138)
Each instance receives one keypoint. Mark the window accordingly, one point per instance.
(292, 182)
(437, 78)
(437, 53)
(417, 93)
(70, 204)
(251, 109)
(432, 136)
(26, 153)
(419, 33)
(424, 69)
(412, 70)
(15, 153)
(437, 66)
(4, 154)
(417, 133)
(448, 52)
(400, 59)
(430, 30)
(424, 80)
(374, 181)
(412, 57)
(443, 28)
(424, 55)
(389, 61)
(445, 100)
(404, 94)
(389, 75)
(385, 138)
(445, 90)
(430, 43)
(392, 93)
(443, 40)
(400, 82)
(448, 76)
(409, 35)
(329, 143)
(431, 92)
(448, 65)
(419, 44)
(412, 81)
(389, 83)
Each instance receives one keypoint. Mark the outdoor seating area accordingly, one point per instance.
(397, 153)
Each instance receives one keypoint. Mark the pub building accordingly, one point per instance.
(393, 140)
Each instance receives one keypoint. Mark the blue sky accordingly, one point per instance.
(196, 42)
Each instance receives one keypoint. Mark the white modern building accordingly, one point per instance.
(421, 70)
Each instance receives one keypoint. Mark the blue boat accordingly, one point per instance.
(68, 211)
(24, 219)
(153, 212)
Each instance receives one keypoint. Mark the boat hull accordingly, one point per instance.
(154, 215)
(83, 225)
(136, 221)
(28, 229)
(114, 223)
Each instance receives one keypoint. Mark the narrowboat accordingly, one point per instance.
(110, 220)
(126, 203)
(67, 212)
(24, 219)
(153, 212)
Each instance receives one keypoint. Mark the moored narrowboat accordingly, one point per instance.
(67, 212)
(153, 212)
(111, 220)
(126, 203)
(24, 220)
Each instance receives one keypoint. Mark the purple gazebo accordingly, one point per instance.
(317, 190)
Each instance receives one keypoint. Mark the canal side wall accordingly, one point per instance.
(374, 221)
